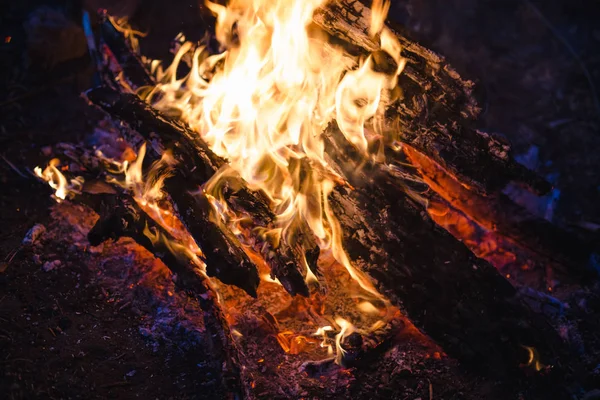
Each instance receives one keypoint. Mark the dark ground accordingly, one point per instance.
(537, 65)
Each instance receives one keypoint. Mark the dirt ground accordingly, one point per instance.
(64, 333)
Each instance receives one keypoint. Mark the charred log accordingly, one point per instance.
(224, 255)
(436, 107)
(565, 251)
(460, 301)
(196, 164)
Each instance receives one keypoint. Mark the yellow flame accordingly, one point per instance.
(322, 331)
(122, 25)
(267, 278)
(146, 189)
(368, 308)
(264, 102)
(346, 328)
(57, 181)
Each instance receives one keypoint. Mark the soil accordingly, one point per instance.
(79, 330)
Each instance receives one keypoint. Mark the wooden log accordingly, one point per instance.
(222, 252)
(197, 164)
(435, 112)
(225, 257)
(566, 252)
(121, 217)
(460, 301)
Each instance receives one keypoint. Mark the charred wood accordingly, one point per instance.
(224, 255)
(565, 251)
(222, 252)
(196, 164)
(436, 107)
(460, 301)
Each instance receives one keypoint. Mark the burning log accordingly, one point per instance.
(196, 165)
(224, 256)
(460, 301)
(561, 250)
(436, 107)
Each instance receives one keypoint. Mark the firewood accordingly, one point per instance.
(225, 257)
(222, 252)
(460, 301)
(197, 164)
(564, 251)
(436, 109)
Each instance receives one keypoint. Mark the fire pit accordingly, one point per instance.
(304, 196)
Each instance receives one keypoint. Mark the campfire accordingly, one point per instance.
(312, 174)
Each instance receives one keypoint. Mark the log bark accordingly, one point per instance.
(197, 163)
(435, 112)
(460, 301)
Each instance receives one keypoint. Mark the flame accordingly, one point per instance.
(122, 25)
(264, 102)
(322, 331)
(147, 191)
(346, 328)
(533, 359)
(58, 181)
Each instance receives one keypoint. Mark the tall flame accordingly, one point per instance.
(264, 103)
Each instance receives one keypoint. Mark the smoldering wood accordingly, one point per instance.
(436, 110)
(196, 164)
(222, 252)
(460, 301)
(564, 251)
